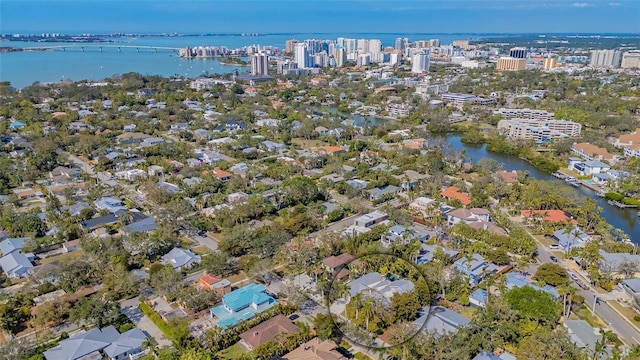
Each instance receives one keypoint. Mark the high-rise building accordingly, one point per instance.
(518, 53)
(302, 56)
(375, 46)
(605, 58)
(341, 56)
(420, 62)
(631, 59)
(508, 63)
(401, 43)
(362, 46)
(434, 42)
(260, 64)
(549, 63)
(363, 60)
(463, 44)
(290, 45)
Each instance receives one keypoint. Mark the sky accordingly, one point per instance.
(327, 16)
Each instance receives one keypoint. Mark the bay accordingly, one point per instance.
(27, 67)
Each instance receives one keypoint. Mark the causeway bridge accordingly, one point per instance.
(99, 48)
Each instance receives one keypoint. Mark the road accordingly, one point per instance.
(106, 179)
(618, 324)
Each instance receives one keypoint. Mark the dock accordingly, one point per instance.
(621, 205)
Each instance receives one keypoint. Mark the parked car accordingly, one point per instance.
(293, 316)
(554, 259)
(555, 247)
(573, 276)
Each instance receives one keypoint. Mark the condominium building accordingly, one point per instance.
(630, 143)
(507, 63)
(302, 56)
(420, 62)
(631, 60)
(592, 152)
(549, 63)
(290, 45)
(341, 56)
(605, 58)
(260, 64)
(524, 114)
(402, 43)
(375, 46)
(539, 130)
(518, 53)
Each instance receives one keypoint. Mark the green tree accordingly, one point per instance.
(534, 305)
(552, 274)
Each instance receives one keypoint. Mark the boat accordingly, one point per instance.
(570, 179)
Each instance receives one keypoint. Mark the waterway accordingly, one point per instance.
(27, 67)
(623, 219)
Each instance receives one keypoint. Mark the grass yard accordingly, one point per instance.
(307, 144)
(232, 352)
(544, 240)
(628, 312)
(74, 255)
(237, 277)
(201, 250)
(468, 311)
(585, 314)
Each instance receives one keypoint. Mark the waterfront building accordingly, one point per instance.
(524, 114)
(539, 130)
(402, 44)
(507, 63)
(605, 58)
(260, 64)
(630, 143)
(420, 62)
(591, 152)
(518, 53)
(631, 60)
(302, 56)
(375, 46)
(290, 45)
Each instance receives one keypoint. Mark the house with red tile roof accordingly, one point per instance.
(213, 283)
(222, 175)
(548, 215)
(454, 193)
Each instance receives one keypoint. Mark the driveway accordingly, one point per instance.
(130, 309)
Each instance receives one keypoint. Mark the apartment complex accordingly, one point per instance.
(525, 114)
(508, 63)
(420, 62)
(605, 58)
(591, 152)
(631, 60)
(539, 130)
(260, 64)
(630, 143)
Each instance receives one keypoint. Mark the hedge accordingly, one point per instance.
(160, 323)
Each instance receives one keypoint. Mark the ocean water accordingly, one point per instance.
(27, 67)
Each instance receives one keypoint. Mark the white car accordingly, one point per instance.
(573, 276)
(555, 247)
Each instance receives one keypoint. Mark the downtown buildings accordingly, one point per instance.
(605, 58)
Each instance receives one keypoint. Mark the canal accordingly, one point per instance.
(623, 219)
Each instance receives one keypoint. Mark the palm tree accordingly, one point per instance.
(356, 302)
(368, 311)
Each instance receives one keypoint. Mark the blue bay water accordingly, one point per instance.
(24, 68)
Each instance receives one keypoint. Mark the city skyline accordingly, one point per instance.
(244, 16)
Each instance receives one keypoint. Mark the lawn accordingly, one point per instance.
(232, 352)
(74, 255)
(201, 250)
(237, 277)
(585, 314)
(468, 311)
(307, 144)
(628, 312)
